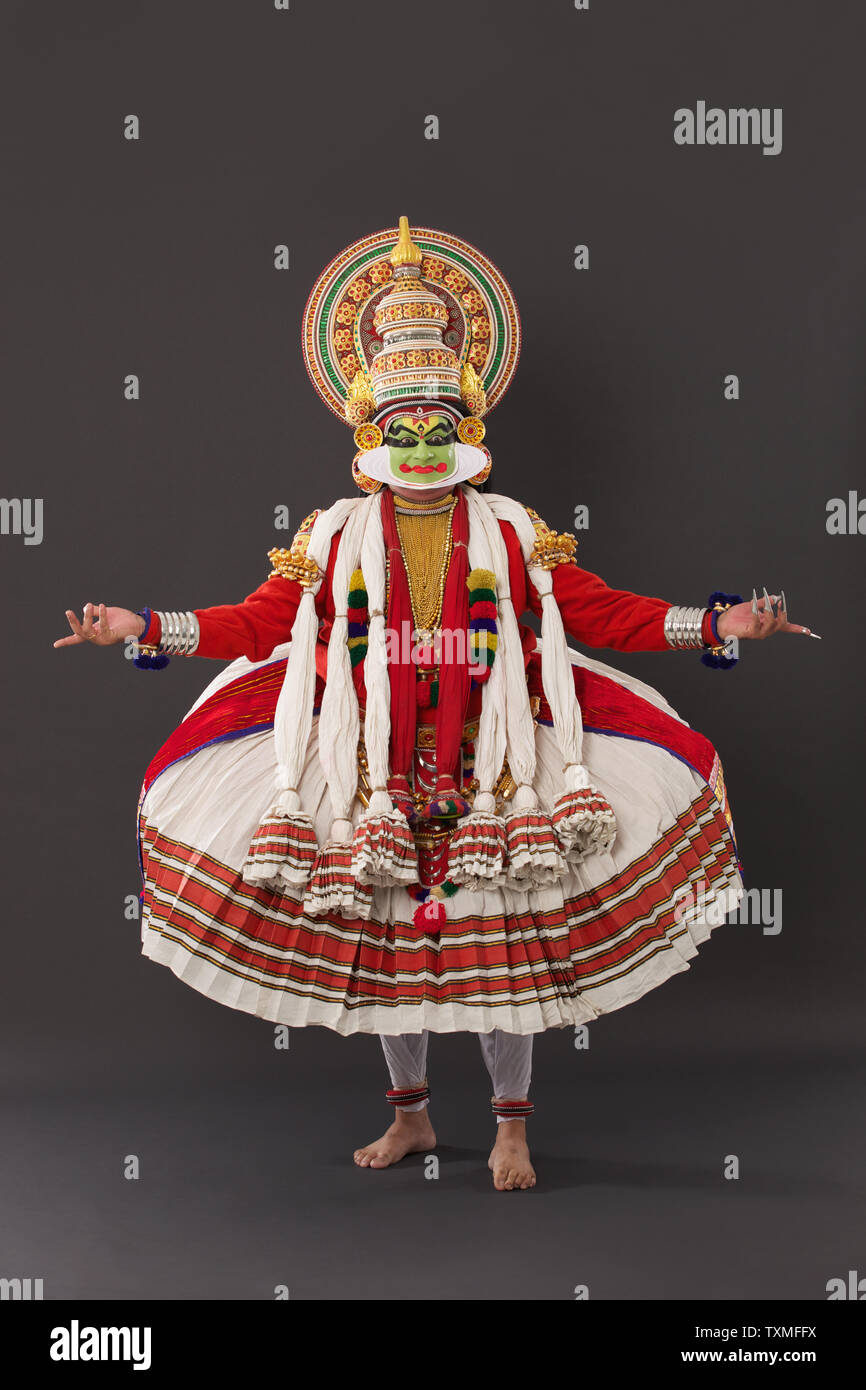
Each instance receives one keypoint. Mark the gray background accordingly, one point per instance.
(155, 257)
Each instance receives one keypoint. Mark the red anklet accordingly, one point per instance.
(407, 1095)
(512, 1109)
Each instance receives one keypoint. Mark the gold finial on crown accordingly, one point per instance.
(405, 252)
(360, 402)
(472, 390)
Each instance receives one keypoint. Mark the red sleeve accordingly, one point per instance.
(252, 628)
(592, 612)
(599, 616)
(264, 619)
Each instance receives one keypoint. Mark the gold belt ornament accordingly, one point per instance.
(425, 734)
(425, 739)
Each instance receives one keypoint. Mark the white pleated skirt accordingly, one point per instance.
(614, 927)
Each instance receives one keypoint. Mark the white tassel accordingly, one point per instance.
(339, 717)
(332, 886)
(384, 847)
(520, 726)
(477, 849)
(491, 741)
(284, 845)
(533, 854)
(584, 819)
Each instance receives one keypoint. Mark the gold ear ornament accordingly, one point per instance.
(368, 436)
(471, 430)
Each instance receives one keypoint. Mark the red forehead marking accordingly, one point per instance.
(420, 422)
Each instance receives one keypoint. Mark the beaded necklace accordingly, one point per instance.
(426, 541)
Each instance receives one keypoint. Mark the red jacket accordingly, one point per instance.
(592, 613)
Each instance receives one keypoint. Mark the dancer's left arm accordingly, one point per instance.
(597, 615)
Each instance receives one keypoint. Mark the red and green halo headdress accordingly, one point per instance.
(408, 319)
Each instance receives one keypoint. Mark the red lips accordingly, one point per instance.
(423, 467)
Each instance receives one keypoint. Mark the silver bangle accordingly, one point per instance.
(683, 626)
(179, 633)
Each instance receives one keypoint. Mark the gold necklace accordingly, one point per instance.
(426, 542)
(406, 504)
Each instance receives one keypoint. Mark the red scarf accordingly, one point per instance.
(401, 674)
(454, 674)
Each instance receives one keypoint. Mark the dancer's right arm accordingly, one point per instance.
(252, 628)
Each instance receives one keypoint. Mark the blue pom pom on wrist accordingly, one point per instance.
(148, 658)
(717, 657)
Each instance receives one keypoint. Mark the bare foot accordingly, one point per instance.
(411, 1133)
(509, 1158)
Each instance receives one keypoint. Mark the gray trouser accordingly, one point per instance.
(507, 1056)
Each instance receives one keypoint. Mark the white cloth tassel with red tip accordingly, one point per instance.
(332, 886)
(283, 848)
(477, 849)
(533, 854)
(383, 847)
(583, 819)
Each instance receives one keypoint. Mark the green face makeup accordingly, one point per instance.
(422, 451)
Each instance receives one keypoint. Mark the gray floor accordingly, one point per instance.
(247, 1181)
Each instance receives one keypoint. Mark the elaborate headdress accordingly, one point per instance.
(406, 320)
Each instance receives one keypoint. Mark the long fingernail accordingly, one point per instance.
(784, 602)
(754, 602)
(767, 603)
(815, 635)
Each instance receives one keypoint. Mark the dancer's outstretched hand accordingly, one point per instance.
(102, 626)
(762, 617)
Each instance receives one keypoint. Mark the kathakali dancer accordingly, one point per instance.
(395, 811)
